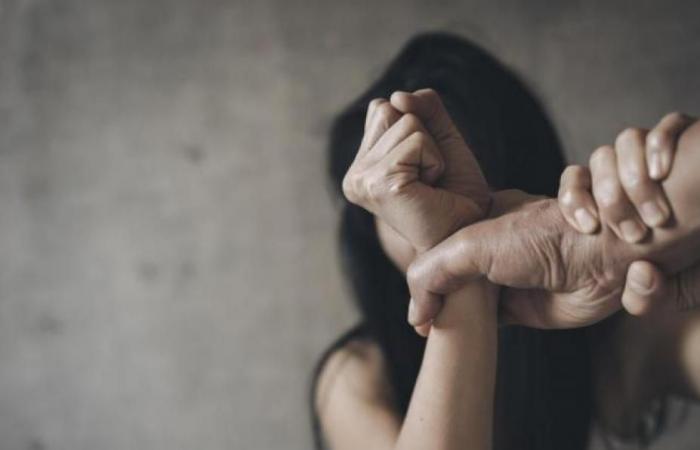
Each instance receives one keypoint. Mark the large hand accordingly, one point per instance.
(564, 279)
(571, 279)
(620, 174)
(424, 189)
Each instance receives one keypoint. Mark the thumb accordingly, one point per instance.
(645, 285)
(442, 270)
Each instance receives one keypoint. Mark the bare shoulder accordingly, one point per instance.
(357, 369)
(353, 398)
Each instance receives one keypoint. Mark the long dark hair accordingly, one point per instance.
(543, 395)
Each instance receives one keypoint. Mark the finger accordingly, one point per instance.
(462, 171)
(576, 201)
(415, 150)
(661, 144)
(426, 306)
(427, 105)
(616, 210)
(442, 270)
(645, 194)
(371, 107)
(406, 126)
(645, 285)
(424, 330)
(383, 117)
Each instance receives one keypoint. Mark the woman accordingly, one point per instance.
(543, 386)
(544, 382)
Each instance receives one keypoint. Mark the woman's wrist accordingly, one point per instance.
(472, 307)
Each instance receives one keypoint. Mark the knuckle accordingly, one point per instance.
(419, 138)
(629, 135)
(577, 171)
(351, 182)
(347, 187)
(410, 122)
(432, 93)
(375, 188)
(433, 98)
(657, 138)
(607, 194)
(631, 178)
(394, 187)
(567, 174)
(413, 275)
(675, 116)
(575, 174)
(384, 112)
(374, 103)
(600, 154)
(567, 197)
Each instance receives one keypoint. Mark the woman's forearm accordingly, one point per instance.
(452, 403)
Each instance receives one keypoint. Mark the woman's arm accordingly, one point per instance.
(452, 403)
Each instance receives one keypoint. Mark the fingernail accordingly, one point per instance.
(585, 220)
(412, 312)
(632, 231)
(653, 213)
(655, 169)
(640, 281)
(659, 164)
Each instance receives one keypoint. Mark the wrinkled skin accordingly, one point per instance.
(558, 277)
(563, 278)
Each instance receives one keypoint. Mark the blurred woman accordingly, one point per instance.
(543, 383)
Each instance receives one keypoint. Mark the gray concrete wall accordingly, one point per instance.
(167, 266)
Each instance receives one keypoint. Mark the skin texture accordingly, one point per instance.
(399, 170)
(453, 399)
(414, 166)
(452, 403)
(638, 359)
(628, 169)
(561, 277)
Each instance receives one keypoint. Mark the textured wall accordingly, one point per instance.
(167, 267)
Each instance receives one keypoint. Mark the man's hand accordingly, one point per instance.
(629, 174)
(561, 278)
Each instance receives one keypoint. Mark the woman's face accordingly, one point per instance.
(398, 249)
